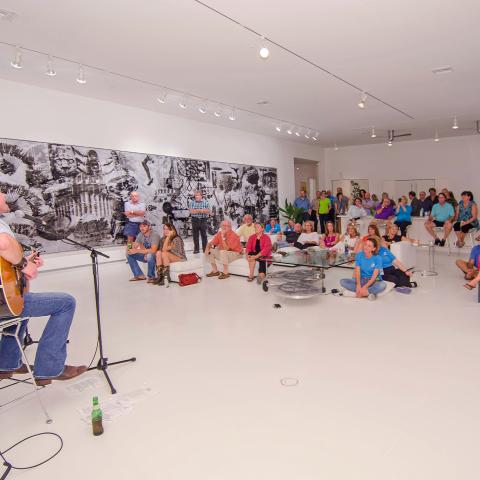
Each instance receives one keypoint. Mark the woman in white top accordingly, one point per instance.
(356, 210)
(308, 238)
(350, 240)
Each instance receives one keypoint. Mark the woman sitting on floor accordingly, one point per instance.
(308, 238)
(331, 237)
(395, 271)
(258, 246)
(170, 250)
(367, 281)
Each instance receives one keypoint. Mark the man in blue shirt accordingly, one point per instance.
(442, 215)
(199, 211)
(304, 203)
(470, 268)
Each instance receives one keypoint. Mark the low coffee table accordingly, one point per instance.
(305, 282)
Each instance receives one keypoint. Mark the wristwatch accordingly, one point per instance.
(21, 264)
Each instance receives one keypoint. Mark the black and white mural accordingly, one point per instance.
(79, 191)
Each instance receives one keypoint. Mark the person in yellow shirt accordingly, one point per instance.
(246, 229)
(324, 206)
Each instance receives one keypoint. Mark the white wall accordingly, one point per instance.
(33, 113)
(452, 162)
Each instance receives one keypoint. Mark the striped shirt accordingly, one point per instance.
(201, 205)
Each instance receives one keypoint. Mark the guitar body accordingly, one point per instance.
(12, 288)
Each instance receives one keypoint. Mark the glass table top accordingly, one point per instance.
(313, 258)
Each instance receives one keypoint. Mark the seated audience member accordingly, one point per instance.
(425, 204)
(414, 204)
(367, 281)
(404, 215)
(386, 195)
(385, 211)
(351, 238)
(290, 227)
(368, 203)
(466, 217)
(288, 239)
(340, 204)
(225, 247)
(143, 250)
(441, 215)
(372, 231)
(356, 210)
(259, 246)
(470, 268)
(308, 238)
(246, 229)
(392, 235)
(450, 197)
(272, 227)
(331, 237)
(395, 271)
(323, 210)
(170, 250)
(375, 199)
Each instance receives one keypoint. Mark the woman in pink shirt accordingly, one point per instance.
(258, 246)
(331, 237)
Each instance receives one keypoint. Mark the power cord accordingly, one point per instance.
(10, 466)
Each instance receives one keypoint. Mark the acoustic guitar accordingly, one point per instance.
(13, 285)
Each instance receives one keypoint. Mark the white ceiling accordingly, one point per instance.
(383, 48)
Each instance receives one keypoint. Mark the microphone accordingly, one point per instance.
(22, 214)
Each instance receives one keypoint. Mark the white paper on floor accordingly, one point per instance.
(117, 405)
(83, 385)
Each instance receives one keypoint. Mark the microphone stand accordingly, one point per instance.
(103, 363)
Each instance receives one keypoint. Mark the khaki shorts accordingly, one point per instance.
(223, 256)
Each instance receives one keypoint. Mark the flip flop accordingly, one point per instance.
(468, 286)
(137, 279)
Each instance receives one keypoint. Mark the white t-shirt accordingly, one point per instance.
(309, 237)
(356, 212)
(350, 241)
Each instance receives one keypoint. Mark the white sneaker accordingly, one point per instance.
(372, 297)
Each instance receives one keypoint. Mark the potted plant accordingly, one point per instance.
(291, 212)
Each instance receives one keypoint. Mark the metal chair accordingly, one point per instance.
(17, 323)
(471, 234)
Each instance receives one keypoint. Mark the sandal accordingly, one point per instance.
(468, 286)
(250, 279)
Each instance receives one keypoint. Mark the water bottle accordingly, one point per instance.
(421, 212)
(346, 249)
(97, 424)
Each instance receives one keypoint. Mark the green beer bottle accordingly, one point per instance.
(96, 418)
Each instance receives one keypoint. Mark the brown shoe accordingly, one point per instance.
(223, 276)
(68, 373)
(151, 280)
(19, 371)
(137, 279)
(213, 274)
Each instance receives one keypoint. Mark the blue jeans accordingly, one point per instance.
(133, 260)
(52, 347)
(351, 284)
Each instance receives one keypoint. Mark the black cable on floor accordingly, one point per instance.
(24, 440)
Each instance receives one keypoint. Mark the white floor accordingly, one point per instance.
(387, 389)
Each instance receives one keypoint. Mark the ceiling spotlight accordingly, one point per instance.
(315, 137)
(373, 134)
(290, 130)
(81, 75)
(437, 138)
(17, 60)
(232, 115)
(183, 103)
(363, 99)
(390, 143)
(455, 123)
(217, 113)
(297, 133)
(202, 109)
(162, 98)
(335, 147)
(278, 128)
(307, 134)
(50, 69)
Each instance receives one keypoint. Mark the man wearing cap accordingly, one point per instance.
(143, 250)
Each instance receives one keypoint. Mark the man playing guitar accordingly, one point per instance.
(60, 307)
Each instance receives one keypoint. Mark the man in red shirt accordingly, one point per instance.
(225, 247)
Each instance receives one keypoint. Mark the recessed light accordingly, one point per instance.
(263, 102)
(442, 70)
